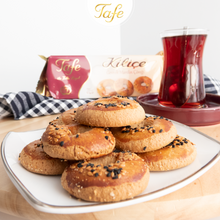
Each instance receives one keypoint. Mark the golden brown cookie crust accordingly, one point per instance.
(143, 84)
(151, 134)
(67, 139)
(110, 112)
(124, 87)
(34, 159)
(115, 177)
(66, 142)
(179, 153)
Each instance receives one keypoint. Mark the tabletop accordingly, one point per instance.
(198, 200)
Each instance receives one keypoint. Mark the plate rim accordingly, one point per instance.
(49, 208)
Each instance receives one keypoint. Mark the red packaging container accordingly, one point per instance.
(79, 76)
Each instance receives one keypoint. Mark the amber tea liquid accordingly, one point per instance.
(182, 83)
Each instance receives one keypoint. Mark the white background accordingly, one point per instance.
(45, 27)
(30, 28)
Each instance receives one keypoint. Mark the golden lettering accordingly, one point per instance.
(75, 78)
(74, 66)
(62, 63)
(66, 68)
(104, 5)
(109, 14)
(120, 13)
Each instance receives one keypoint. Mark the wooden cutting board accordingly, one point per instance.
(198, 200)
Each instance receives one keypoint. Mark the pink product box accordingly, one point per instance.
(80, 76)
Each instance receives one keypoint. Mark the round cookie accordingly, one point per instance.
(151, 134)
(110, 112)
(34, 159)
(67, 139)
(66, 118)
(143, 84)
(124, 87)
(106, 88)
(179, 153)
(76, 142)
(115, 177)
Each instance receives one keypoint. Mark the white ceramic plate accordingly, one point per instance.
(46, 194)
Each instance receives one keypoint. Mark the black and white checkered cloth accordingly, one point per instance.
(29, 104)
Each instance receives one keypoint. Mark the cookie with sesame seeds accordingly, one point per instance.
(151, 134)
(66, 138)
(115, 177)
(179, 153)
(34, 159)
(76, 142)
(66, 118)
(115, 111)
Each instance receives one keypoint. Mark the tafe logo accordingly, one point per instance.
(110, 12)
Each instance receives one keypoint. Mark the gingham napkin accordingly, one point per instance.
(29, 104)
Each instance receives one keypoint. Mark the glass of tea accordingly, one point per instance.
(182, 83)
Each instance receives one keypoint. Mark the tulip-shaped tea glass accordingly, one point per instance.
(182, 83)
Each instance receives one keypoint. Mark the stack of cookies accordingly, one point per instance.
(106, 148)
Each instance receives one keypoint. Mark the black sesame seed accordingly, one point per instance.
(77, 135)
(161, 130)
(118, 161)
(106, 137)
(105, 167)
(115, 177)
(98, 165)
(42, 146)
(109, 170)
(61, 143)
(74, 111)
(96, 174)
(92, 170)
(79, 165)
(117, 171)
(177, 144)
(181, 143)
(144, 148)
(153, 131)
(56, 128)
(173, 146)
(108, 174)
(126, 131)
(38, 145)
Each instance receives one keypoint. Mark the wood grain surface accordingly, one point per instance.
(198, 200)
